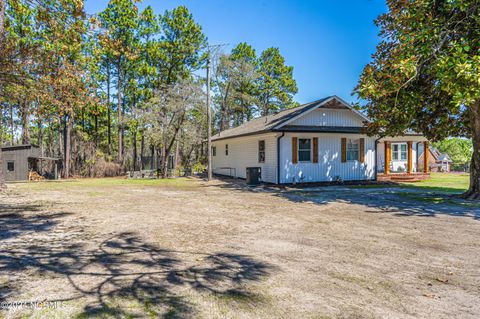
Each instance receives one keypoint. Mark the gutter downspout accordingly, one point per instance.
(278, 157)
(376, 158)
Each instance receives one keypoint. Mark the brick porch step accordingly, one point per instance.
(403, 177)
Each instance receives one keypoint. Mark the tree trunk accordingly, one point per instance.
(2, 177)
(67, 145)
(12, 128)
(134, 134)
(142, 151)
(177, 156)
(165, 156)
(168, 147)
(2, 20)
(96, 130)
(109, 119)
(152, 158)
(474, 189)
(224, 112)
(119, 111)
(60, 136)
(40, 134)
(265, 105)
(134, 145)
(25, 123)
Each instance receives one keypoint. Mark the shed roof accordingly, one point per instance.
(17, 147)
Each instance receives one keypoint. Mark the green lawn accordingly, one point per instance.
(444, 182)
(438, 182)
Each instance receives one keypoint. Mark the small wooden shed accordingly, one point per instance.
(20, 160)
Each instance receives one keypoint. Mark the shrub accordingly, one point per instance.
(199, 168)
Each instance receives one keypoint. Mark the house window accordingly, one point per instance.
(399, 152)
(214, 151)
(226, 149)
(353, 150)
(304, 149)
(261, 151)
(10, 166)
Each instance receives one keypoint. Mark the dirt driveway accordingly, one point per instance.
(116, 248)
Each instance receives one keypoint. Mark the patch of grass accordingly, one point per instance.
(100, 183)
(438, 182)
(444, 182)
(427, 199)
(438, 199)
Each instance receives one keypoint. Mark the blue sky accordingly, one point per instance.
(327, 42)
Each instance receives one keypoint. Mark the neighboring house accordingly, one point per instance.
(438, 162)
(20, 160)
(321, 141)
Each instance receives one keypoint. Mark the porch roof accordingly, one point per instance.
(414, 137)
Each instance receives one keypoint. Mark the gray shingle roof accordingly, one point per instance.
(444, 158)
(266, 123)
(437, 155)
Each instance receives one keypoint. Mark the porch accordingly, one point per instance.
(399, 159)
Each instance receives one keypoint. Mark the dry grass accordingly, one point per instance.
(181, 248)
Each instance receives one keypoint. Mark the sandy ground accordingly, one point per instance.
(214, 250)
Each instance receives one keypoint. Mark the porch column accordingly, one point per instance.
(425, 157)
(409, 157)
(387, 155)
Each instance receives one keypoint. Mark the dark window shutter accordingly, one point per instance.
(362, 150)
(294, 150)
(344, 149)
(315, 149)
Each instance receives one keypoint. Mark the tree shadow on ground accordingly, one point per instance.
(396, 201)
(16, 220)
(112, 274)
(399, 200)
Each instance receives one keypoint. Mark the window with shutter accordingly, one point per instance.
(315, 149)
(353, 150)
(362, 150)
(304, 149)
(261, 151)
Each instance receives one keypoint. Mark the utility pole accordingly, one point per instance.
(209, 110)
(209, 121)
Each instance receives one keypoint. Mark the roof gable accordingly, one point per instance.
(333, 102)
(276, 122)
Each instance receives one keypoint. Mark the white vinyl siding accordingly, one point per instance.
(243, 153)
(330, 117)
(329, 167)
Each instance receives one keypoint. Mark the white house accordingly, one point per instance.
(321, 141)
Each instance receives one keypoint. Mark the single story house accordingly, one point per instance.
(20, 160)
(321, 141)
(437, 161)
